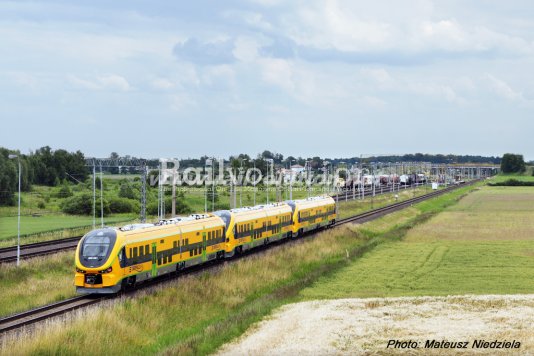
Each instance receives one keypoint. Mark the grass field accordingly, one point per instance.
(526, 177)
(36, 282)
(195, 315)
(483, 245)
(47, 227)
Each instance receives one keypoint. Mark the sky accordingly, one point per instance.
(328, 78)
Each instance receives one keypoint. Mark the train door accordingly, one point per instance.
(203, 246)
(154, 260)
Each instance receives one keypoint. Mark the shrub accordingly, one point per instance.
(82, 204)
(123, 205)
(126, 191)
(181, 207)
(512, 183)
(41, 205)
(64, 192)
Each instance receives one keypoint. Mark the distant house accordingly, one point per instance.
(291, 174)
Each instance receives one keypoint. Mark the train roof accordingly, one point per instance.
(311, 201)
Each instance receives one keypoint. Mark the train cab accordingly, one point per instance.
(94, 262)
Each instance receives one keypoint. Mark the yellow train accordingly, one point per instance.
(111, 259)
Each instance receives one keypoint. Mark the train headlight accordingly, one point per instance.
(79, 270)
(108, 270)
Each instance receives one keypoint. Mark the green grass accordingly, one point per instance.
(525, 177)
(36, 282)
(483, 245)
(195, 315)
(46, 227)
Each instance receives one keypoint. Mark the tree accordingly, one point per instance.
(512, 163)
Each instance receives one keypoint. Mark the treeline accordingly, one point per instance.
(53, 167)
(44, 167)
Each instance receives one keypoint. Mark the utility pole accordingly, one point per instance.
(94, 194)
(290, 180)
(268, 181)
(101, 197)
(143, 191)
(213, 184)
(254, 182)
(241, 184)
(18, 215)
(173, 207)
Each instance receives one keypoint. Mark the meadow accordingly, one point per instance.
(197, 314)
(482, 245)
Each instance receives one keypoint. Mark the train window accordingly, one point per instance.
(187, 242)
(198, 233)
(190, 253)
(161, 241)
(140, 251)
(131, 254)
(147, 250)
(174, 243)
(134, 252)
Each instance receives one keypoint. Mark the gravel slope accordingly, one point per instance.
(356, 326)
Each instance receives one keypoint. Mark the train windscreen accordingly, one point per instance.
(97, 246)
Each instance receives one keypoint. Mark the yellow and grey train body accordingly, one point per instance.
(312, 213)
(112, 258)
(258, 225)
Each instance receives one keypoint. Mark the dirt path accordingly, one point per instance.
(349, 326)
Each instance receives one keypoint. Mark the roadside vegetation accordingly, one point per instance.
(36, 282)
(195, 315)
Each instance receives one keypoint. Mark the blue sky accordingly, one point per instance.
(328, 78)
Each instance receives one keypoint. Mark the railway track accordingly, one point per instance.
(379, 212)
(20, 320)
(9, 254)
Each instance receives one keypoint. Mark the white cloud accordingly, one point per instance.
(162, 84)
(23, 79)
(277, 72)
(111, 82)
(374, 102)
(349, 27)
(114, 82)
(246, 49)
(501, 88)
(379, 75)
(181, 101)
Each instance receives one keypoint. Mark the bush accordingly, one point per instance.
(512, 183)
(64, 192)
(181, 207)
(41, 205)
(82, 204)
(123, 205)
(126, 191)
